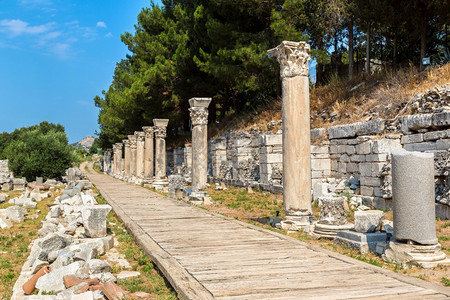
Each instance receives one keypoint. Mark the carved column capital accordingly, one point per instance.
(140, 135)
(148, 130)
(132, 140)
(199, 115)
(293, 58)
(126, 143)
(160, 132)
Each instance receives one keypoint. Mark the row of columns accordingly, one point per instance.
(137, 159)
(293, 58)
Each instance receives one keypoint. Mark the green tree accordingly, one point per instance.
(39, 151)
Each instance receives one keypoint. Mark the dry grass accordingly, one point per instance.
(374, 94)
(14, 244)
(257, 208)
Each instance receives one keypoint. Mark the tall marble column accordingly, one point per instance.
(140, 136)
(148, 154)
(294, 58)
(127, 157)
(114, 147)
(160, 153)
(132, 139)
(119, 158)
(199, 118)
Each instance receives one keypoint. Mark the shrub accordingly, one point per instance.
(40, 151)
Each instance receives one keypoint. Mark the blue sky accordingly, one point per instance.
(56, 55)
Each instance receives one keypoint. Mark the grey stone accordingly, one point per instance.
(104, 277)
(62, 260)
(441, 119)
(341, 131)
(4, 222)
(364, 148)
(14, 214)
(55, 211)
(37, 265)
(53, 255)
(29, 204)
(413, 197)
(368, 221)
(98, 266)
(85, 254)
(320, 189)
(363, 242)
(415, 122)
(47, 228)
(53, 281)
(36, 195)
(3, 197)
(94, 219)
(55, 241)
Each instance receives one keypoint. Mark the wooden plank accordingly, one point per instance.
(205, 255)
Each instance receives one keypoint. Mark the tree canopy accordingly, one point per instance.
(218, 49)
(38, 150)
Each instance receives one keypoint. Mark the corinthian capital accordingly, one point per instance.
(140, 135)
(293, 58)
(199, 115)
(126, 143)
(148, 131)
(132, 140)
(160, 132)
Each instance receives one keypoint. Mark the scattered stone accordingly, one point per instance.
(112, 291)
(36, 195)
(94, 219)
(38, 264)
(127, 274)
(55, 241)
(53, 281)
(368, 221)
(13, 213)
(4, 222)
(104, 277)
(98, 266)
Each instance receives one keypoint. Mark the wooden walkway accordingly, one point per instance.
(208, 256)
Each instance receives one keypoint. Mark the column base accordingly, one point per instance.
(160, 184)
(297, 223)
(147, 182)
(199, 198)
(426, 256)
(330, 231)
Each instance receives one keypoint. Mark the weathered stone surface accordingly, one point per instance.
(85, 254)
(127, 274)
(53, 281)
(363, 242)
(47, 228)
(4, 222)
(413, 197)
(13, 213)
(368, 221)
(98, 266)
(425, 256)
(29, 204)
(104, 277)
(333, 211)
(55, 241)
(94, 219)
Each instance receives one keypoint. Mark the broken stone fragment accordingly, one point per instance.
(55, 241)
(98, 266)
(53, 281)
(368, 221)
(94, 219)
(14, 214)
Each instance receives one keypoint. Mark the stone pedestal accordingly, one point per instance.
(148, 154)
(133, 148)
(127, 156)
(160, 153)
(199, 119)
(332, 219)
(140, 136)
(294, 58)
(414, 215)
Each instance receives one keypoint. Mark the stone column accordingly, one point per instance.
(127, 155)
(117, 158)
(294, 58)
(132, 139)
(140, 136)
(414, 214)
(199, 118)
(160, 153)
(148, 154)
(114, 159)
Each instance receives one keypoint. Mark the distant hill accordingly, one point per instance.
(85, 143)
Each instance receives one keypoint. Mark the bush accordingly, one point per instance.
(40, 151)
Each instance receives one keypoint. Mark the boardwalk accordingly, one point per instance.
(208, 256)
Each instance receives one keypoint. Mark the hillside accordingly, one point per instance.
(85, 143)
(383, 95)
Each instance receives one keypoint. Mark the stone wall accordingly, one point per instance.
(358, 154)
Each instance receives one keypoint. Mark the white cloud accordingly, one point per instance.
(109, 34)
(18, 27)
(62, 50)
(101, 24)
(35, 2)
